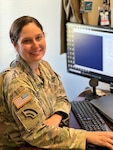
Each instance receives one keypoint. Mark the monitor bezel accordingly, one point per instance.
(101, 77)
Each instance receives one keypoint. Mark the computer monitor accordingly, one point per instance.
(90, 51)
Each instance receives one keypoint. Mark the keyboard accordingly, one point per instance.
(88, 117)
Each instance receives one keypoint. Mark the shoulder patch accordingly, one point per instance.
(22, 99)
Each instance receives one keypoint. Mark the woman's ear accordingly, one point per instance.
(15, 45)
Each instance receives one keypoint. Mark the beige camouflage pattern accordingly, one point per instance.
(28, 101)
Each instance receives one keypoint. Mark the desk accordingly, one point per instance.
(73, 123)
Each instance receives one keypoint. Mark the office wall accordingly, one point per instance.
(48, 13)
(92, 17)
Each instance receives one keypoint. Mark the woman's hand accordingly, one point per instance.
(54, 120)
(104, 139)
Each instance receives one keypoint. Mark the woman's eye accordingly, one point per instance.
(30, 41)
(39, 37)
(27, 41)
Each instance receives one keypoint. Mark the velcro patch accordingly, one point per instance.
(22, 99)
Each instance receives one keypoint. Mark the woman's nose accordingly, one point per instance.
(35, 43)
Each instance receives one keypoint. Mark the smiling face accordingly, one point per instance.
(31, 44)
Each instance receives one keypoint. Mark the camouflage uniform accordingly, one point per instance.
(29, 99)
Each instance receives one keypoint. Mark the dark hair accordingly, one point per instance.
(18, 24)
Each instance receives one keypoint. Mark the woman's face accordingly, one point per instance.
(31, 44)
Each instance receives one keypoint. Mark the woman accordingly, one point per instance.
(35, 100)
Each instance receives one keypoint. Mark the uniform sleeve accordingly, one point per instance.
(62, 102)
(28, 116)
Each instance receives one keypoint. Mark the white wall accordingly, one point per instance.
(48, 13)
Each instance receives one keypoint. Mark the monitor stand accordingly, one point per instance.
(93, 95)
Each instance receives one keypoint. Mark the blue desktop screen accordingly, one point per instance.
(87, 51)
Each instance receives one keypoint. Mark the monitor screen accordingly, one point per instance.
(90, 51)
